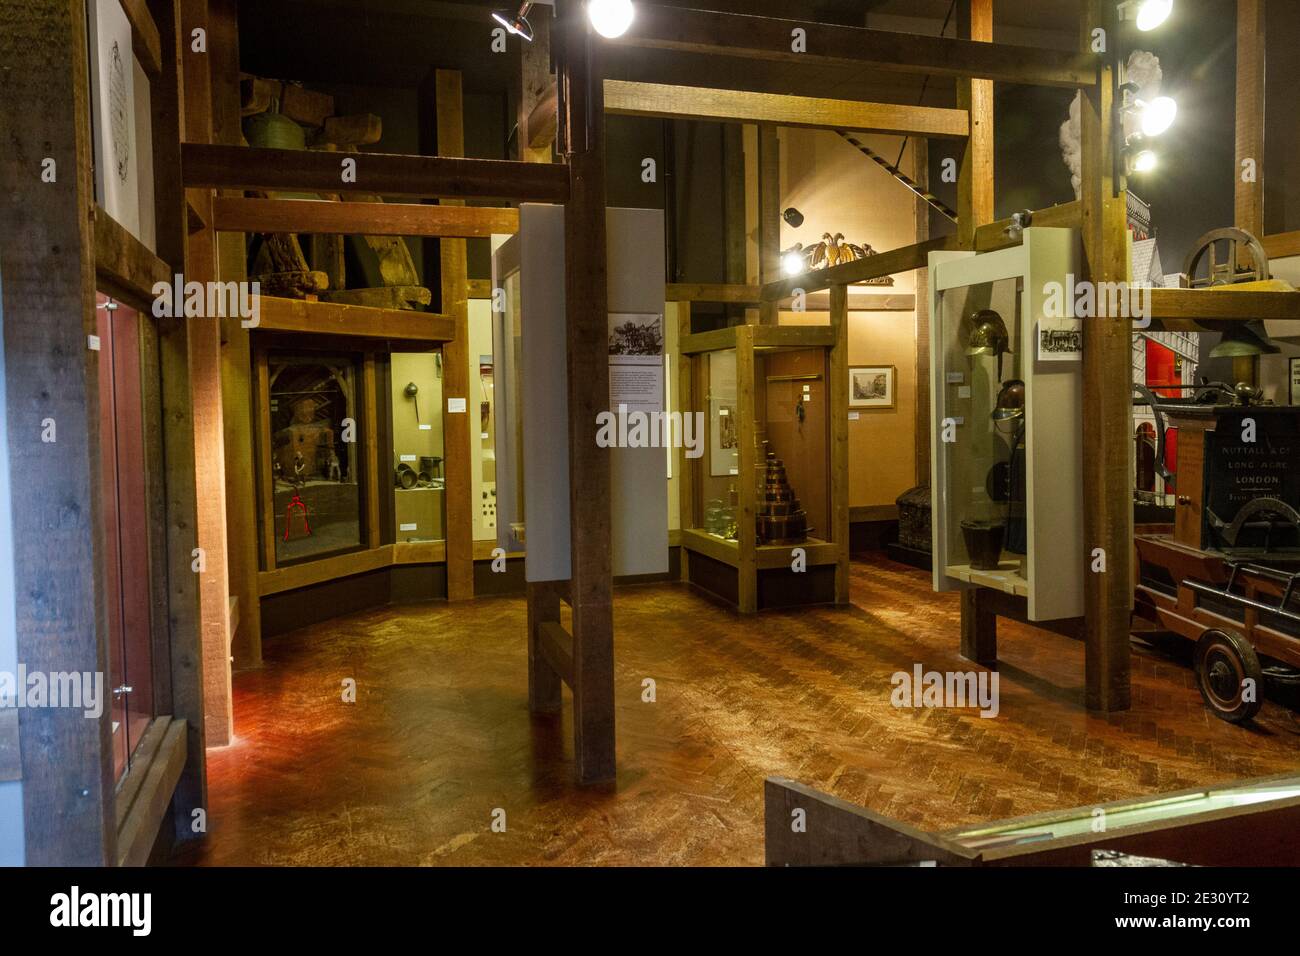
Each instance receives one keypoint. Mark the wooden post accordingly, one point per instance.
(979, 628)
(687, 468)
(921, 215)
(975, 177)
(236, 359)
(838, 403)
(747, 458)
(205, 391)
(457, 434)
(769, 214)
(1107, 397)
(48, 308)
(591, 581)
(183, 599)
(1248, 197)
(545, 685)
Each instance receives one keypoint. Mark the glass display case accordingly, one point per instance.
(764, 522)
(314, 459)
(419, 479)
(1006, 437)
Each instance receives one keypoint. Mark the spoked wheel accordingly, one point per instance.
(1225, 662)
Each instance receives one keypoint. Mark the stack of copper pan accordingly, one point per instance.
(781, 520)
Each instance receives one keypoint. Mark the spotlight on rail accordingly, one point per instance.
(610, 18)
(518, 24)
(1157, 115)
(793, 216)
(792, 262)
(1143, 161)
(1146, 14)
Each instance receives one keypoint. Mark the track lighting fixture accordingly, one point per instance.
(1146, 14)
(518, 24)
(610, 18)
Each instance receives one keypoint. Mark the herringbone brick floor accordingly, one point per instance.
(440, 735)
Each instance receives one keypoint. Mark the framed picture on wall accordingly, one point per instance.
(871, 386)
(1294, 379)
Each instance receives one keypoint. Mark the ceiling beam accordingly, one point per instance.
(236, 214)
(736, 106)
(430, 177)
(766, 38)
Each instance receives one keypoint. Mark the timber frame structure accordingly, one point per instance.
(59, 249)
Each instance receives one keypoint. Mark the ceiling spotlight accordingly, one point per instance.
(518, 24)
(610, 18)
(1157, 115)
(793, 216)
(1147, 14)
(1143, 161)
(792, 262)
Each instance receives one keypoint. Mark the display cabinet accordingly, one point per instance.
(764, 488)
(419, 483)
(1006, 433)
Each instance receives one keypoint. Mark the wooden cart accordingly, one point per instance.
(1226, 574)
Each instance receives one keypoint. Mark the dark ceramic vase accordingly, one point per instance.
(983, 543)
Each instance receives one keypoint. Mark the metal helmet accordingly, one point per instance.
(1011, 401)
(989, 335)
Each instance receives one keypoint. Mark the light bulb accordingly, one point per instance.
(792, 263)
(1145, 161)
(1152, 13)
(610, 18)
(1158, 115)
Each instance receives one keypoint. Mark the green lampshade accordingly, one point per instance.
(1242, 339)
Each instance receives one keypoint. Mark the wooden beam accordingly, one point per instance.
(1107, 397)
(385, 174)
(769, 216)
(992, 236)
(975, 177)
(48, 305)
(704, 292)
(765, 38)
(587, 367)
(183, 671)
(862, 302)
(888, 263)
(623, 97)
(838, 402)
(458, 437)
(556, 645)
(159, 763)
(1280, 245)
(145, 40)
(537, 91)
(236, 359)
(1177, 309)
(204, 340)
(315, 216)
(921, 321)
(278, 314)
(124, 265)
(1248, 197)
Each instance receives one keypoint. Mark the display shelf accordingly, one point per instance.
(279, 314)
(1006, 578)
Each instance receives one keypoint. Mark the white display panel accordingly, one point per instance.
(529, 342)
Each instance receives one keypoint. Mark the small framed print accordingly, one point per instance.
(1295, 379)
(871, 386)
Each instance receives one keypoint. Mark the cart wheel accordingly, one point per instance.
(1224, 661)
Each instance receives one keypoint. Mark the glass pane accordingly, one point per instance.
(317, 505)
(794, 492)
(720, 500)
(481, 407)
(419, 498)
(986, 465)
